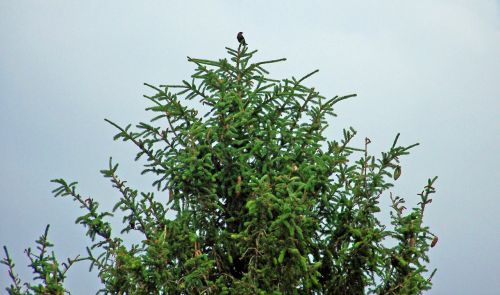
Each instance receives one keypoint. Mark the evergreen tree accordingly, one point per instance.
(264, 203)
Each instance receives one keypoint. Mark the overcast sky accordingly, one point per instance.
(429, 69)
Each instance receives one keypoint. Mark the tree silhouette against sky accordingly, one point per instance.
(263, 201)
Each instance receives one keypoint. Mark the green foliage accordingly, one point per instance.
(263, 201)
(45, 266)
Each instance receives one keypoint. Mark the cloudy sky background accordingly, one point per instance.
(427, 69)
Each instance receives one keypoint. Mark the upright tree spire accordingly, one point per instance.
(264, 202)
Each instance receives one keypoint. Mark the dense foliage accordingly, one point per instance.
(264, 202)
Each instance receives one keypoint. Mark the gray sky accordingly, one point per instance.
(429, 69)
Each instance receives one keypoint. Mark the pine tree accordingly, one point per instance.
(264, 203)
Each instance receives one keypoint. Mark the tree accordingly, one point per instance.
(264, 203)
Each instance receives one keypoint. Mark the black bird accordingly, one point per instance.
(241, 39)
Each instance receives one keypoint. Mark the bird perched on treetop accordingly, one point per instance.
(241, 39)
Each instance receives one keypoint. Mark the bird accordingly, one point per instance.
(241, 39)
